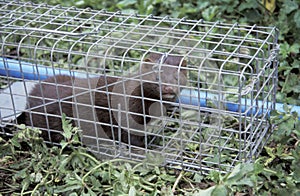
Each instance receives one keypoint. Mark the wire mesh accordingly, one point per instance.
(223, 77)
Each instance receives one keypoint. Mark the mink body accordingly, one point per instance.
(56, 95)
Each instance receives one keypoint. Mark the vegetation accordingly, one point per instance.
(71, 170)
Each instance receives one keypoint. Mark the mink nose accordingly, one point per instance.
(168, 89)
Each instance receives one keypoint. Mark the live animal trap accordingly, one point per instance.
(216, 82)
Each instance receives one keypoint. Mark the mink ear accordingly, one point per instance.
(148, 60)
(148, 64)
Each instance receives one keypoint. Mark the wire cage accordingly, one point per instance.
(198, 94)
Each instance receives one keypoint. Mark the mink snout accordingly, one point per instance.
(166, 89)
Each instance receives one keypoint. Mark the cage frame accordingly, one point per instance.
(254, 102)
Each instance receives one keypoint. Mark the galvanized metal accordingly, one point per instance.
(219, 119)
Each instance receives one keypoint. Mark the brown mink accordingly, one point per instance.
(125, 104)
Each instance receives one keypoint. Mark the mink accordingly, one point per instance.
(106, 99)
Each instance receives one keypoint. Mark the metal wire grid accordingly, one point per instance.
(228, 63)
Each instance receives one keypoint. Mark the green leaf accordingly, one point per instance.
(289, 6)
(38, 177)
(201, 5)
(286, 107)
(126, 3)
(214, 176)
(79, 3)
(297, 18)
(210, 12)
(248, 5)
(220, 190)
(73, 194)
(286, 49)
(244, 181)
(21, 126)
(238, 173)
(253, 15)
(295, 48)
(68, 187)
(206, 192)
(198, 177)
(168, 178)
(132, 191)
(15, 142)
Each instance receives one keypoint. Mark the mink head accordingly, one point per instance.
(164, 75)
